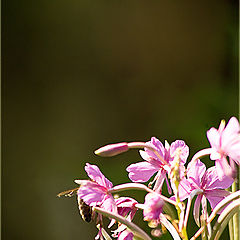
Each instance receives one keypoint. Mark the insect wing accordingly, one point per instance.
(68, 193)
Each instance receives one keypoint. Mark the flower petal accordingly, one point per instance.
(223, 168)
(214, 138)
(213, 181)
(92, 193)
(215, 196)
(195, 171)
(125, 202)
(96, 175)
(153, 207)
(231, 129)
(109, 204)
(125, 235)
(142, 171)
(180, 144)
(150, 159)
(160, 177)
(233, 151)
(184, 189)
(126, 206)
(230, 139)
(196, 209)
(155, 143)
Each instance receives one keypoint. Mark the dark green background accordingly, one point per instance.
(81, 74)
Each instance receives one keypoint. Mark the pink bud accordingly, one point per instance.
(112, 149)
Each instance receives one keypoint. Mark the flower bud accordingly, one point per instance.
(153, 207)
(112, 149)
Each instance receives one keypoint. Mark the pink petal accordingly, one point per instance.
(196, 209)
(168, 186)
(157, 145)
(215, 155)
(160, 177)
(234, 151)
(230, 140)
(184, 189)
(214, 138)
(153, 207)
(126, 205)
(126, 202)
(195, 171)
(215, 196)
(213, 181)
(184, 149)
(141, 172)
(145, 155)
(223, 168)
(125, 235)
(92, 194)
(95, 174)
(231, 129)
(109, 204)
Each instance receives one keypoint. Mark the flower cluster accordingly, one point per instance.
(167, 164)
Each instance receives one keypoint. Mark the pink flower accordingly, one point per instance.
(153, 207)
(225, 142)
(161, 162)
(94, 192)
(126, 208)
(204, 183)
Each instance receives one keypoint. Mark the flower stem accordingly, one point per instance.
(230, 228)
(133, 227)
(175, 177)
(138, 186)
(235, 217)
(224, 218)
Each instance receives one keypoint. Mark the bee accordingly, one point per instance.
(84, 209)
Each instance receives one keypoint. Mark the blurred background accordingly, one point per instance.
(81, 74)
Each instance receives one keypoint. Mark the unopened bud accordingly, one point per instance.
(156, 232)
(112, 149)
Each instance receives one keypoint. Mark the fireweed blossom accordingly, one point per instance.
(225, 142)
(94, 192)
(126, 208)
(143, 171)
(152, 207)
(205, 183)
(167, 163)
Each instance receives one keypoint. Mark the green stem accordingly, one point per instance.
(204, 225)
(224, 218)
(235, 217)
(179, 211)
(230, 228)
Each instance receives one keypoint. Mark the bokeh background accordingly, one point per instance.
(81, 74)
